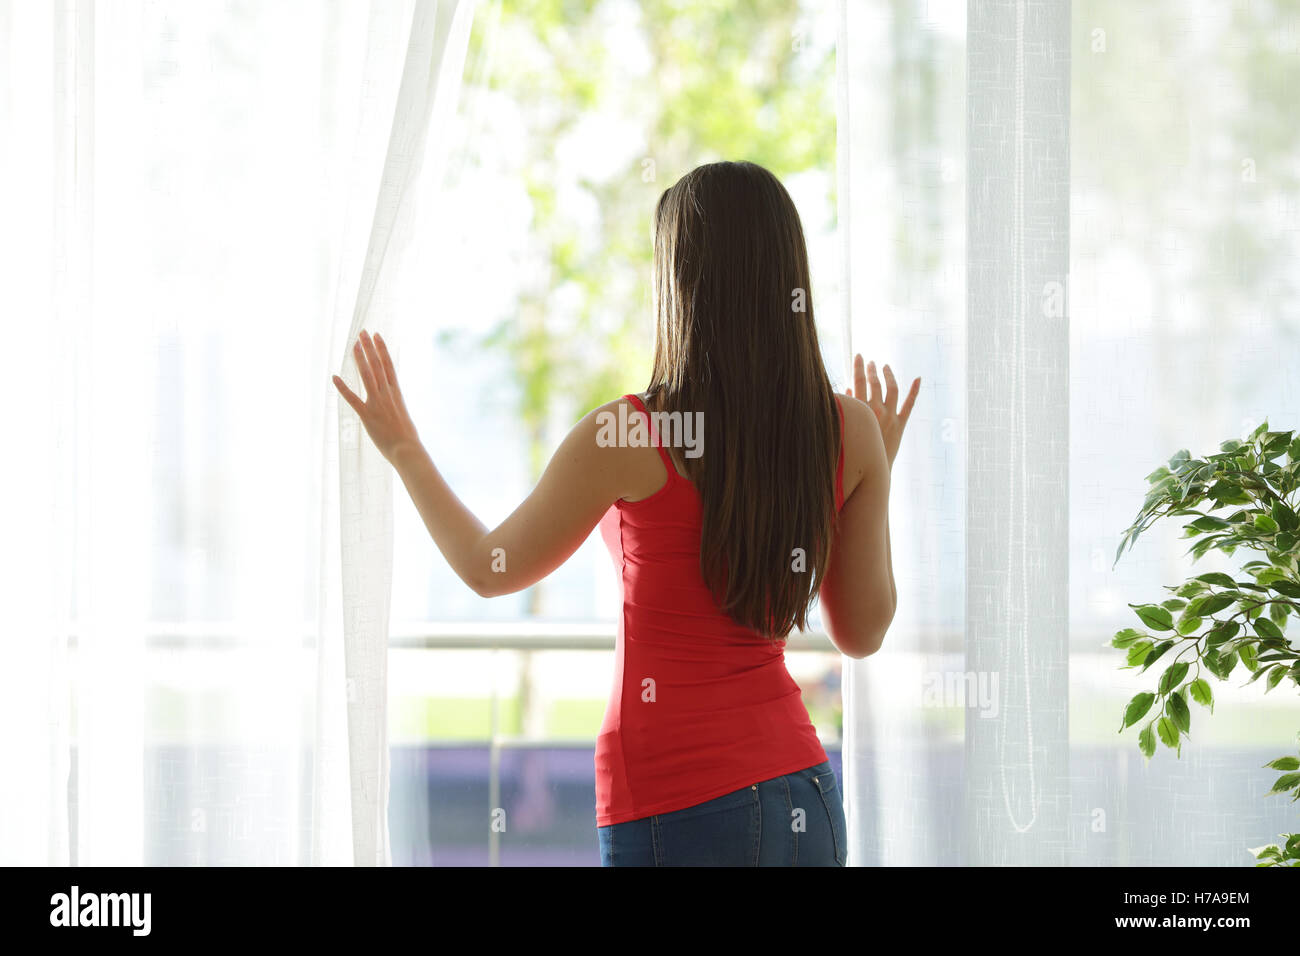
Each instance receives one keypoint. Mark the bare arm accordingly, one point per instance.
(859, 596)
(578, 486)
(882, 401)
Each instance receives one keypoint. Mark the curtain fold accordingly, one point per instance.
(1017, 797)
(899, 210)
(203, 204)
(1089, 267)
(956, 736)
(430, 81)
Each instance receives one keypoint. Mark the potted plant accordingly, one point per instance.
(1241, 497)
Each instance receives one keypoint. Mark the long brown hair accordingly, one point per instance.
(736, 341)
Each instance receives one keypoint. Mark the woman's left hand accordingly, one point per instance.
(866, 388)
(383, 412)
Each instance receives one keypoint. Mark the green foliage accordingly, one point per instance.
(726, 79)
(732, 79)
(1215, 621)
(1286, 852)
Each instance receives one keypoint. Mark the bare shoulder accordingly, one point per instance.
(606, 425)
(606, 442)
(599, 432)
(864, 446)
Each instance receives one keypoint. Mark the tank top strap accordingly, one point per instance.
(839, 469)
(654, 435)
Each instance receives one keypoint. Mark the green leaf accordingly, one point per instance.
(1209, 523)
(1277, 613)
(1147, 740)
(1126, 638)
(1269, 852)
(1120, 550)
(1249, 656)
(1266, 524)
(1182, 717)
(1269, 575)
(1172, 676)
(1287, 519)
(1275, 677)
(1278, 650)
(1202, 694)
(1231, 445)
(1221, 632)
(1288, 781)
(1274, 443)
(1155, 617)
(1213, 603)
(1199, 549)
(1228, 493)
(1189, 625)
(1286, 588)
(1156, 653)
(1159, 491)
(1173, 604)
(1221, 664)
(1217, 577)
(1137, 709)
(1138, 653)
(1208, 657)
(1263, 671)
(1168, 732)
(1266, 628)
(1283, 763)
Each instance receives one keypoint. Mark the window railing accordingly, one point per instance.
(457, 635)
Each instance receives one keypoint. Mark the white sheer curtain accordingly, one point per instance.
(439, 34)
(1076, 222)
(901, 120)
(202, 205)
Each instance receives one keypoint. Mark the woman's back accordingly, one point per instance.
(700, 705)
(705, 736)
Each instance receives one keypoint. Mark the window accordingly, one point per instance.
(572, 123)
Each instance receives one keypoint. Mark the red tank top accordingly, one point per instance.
(700, 706)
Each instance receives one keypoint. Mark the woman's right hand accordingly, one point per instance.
(882, 402)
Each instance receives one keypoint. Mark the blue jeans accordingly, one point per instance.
(793, 820)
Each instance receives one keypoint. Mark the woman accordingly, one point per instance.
(706, 755)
